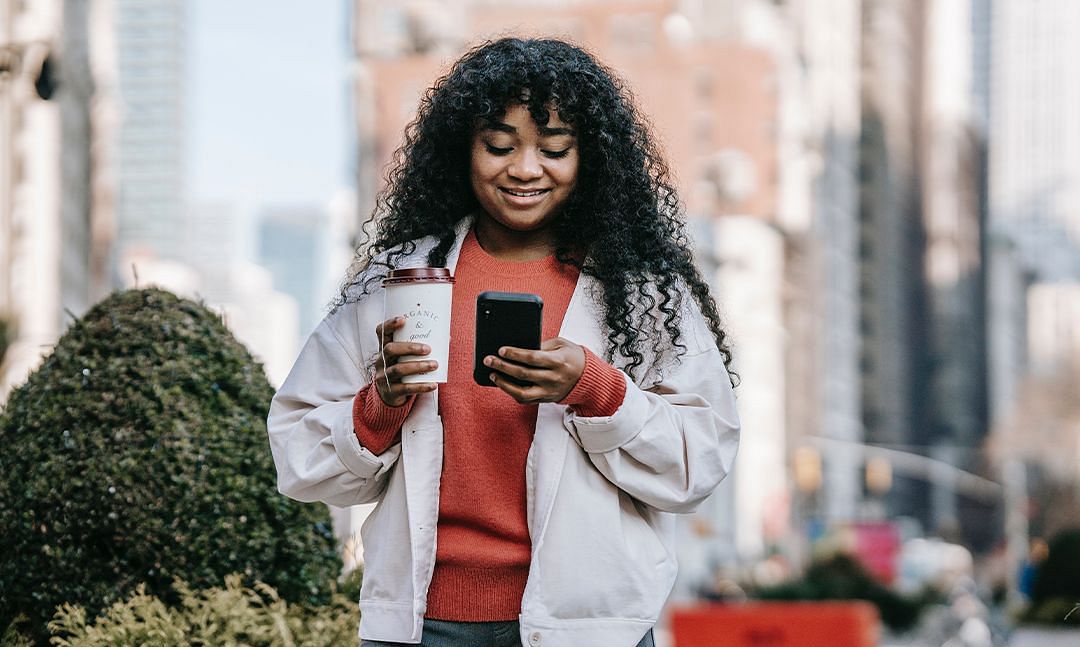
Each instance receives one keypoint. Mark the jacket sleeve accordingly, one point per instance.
(316, 451)
(668, 446)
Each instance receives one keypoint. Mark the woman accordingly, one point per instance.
(534, 514)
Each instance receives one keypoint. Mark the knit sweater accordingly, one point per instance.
(483, 547)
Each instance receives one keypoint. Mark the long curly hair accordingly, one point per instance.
(624, 211)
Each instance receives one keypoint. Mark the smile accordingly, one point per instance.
(524, 194)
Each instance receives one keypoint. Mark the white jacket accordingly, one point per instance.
(600, 491)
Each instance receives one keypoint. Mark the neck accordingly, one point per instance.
(516, 246)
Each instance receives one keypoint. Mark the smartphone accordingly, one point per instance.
(505, 319)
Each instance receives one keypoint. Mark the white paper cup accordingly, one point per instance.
(423, 296)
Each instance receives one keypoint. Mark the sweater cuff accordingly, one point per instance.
(376, 424)
(600, 390)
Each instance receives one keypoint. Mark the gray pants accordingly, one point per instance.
(443, 633)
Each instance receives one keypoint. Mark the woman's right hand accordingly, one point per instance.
(389, 370)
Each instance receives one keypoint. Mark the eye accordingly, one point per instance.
(557, 154)
(496, 150)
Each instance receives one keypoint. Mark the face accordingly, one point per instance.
(523, 173)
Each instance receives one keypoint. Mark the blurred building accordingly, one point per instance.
(216, 238)
(890, 242)
(1035, 158)
(1054, 333)
(56, 121)
(922, 269)
(950, 385)
(825, 257)
(1034, 217)
(1008, 280)
(151, 47)
(293, 243)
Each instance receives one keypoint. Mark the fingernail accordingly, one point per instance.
(492, 375)
(502, 352)
(487, 361)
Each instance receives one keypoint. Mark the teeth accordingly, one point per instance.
(524, 194)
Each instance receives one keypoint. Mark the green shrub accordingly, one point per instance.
(841, 577)
(1055, 595)
(235, 614)
(137, 453)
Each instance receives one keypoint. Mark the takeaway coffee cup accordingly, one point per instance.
(422, 295)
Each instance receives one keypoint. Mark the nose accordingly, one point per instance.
(525, 165)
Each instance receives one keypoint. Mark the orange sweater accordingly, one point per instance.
(483, 548)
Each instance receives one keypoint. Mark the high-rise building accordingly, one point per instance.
(150, 179)
(1034, 183)
(294, 243)
(825, 257)
(55, 198)
(890, 248)
(922, 276)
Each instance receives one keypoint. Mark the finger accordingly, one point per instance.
(514, 370)
(396, 396)
(537, 358)
(523, 394)
(388, 326)
(419, 367)
(397, 349)
(413, 388)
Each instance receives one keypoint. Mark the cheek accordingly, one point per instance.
(483, 170)
(567, 175)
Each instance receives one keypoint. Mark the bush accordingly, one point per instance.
(137, 453)
(1055, 595)
(235, 614)
(841, 577)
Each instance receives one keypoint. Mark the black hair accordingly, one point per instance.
(624, 212)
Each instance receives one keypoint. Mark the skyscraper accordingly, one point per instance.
(151, 50)
(1035, 133)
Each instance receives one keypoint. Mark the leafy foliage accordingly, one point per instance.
(137, 453)
(1055, 597)
(841, 577)
(235, 614)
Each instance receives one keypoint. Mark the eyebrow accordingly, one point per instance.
(545, 131)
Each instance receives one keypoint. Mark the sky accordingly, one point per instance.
(268, 104)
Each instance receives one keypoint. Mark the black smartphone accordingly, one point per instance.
(505, 319)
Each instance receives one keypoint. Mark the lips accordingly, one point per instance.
(521, 193)
(523, 197)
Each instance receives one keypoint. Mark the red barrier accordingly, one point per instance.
(776, 624)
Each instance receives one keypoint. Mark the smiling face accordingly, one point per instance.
(522, 173)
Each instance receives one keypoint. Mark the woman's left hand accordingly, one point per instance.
(553, 370)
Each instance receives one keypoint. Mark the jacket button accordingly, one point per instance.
(534, 638)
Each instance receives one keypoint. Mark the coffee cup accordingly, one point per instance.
(423, 297)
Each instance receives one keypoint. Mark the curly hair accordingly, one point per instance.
(624, 212)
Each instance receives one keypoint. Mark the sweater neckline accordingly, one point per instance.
(473, 255)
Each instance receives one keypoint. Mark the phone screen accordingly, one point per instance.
(505, 319)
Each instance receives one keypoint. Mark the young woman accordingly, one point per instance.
(534, 514)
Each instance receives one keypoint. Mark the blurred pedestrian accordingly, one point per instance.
(538, 511)
(1038, 551)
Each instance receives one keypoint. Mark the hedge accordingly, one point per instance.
(137, 454)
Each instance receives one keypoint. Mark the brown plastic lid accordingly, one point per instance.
(418, 275)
